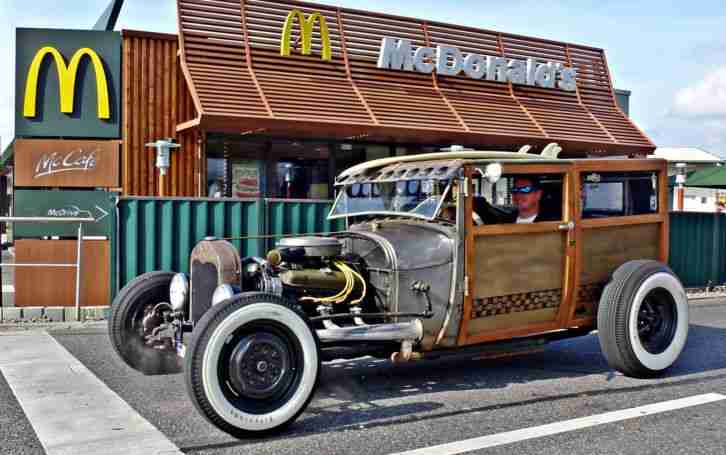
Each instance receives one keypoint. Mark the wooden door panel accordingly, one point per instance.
(519, 275)
(515, 264)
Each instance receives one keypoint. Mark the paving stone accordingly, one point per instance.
(95, 313)
(54, 314)
(69, 314)
(12, 314)
(34, 313)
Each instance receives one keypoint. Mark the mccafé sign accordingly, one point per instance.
(66, 163)
(399, 54)
(78, 160)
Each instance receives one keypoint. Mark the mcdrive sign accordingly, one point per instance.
(399, 54)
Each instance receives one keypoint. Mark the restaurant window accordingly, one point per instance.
(251, 168)
(298, 170)
(216, 179)
(609, 194)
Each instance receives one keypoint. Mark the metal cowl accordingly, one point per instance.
(314, 246)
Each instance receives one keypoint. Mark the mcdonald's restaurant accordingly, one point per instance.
(237, 126)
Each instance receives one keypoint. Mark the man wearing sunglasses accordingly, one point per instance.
(527, 194)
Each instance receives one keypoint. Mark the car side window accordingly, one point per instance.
(610, 194)
(519, 198)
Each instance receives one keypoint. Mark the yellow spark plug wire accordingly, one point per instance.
(365, 288)
(344, 293)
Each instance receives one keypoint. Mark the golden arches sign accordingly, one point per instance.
(66, 81)
(306, 34)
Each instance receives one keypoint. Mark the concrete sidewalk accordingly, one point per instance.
(52, 385)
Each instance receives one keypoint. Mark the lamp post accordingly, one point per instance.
(163, 153)
(680, 181)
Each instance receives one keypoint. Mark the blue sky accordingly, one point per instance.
(671, 55)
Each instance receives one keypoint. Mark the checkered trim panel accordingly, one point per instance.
(515, 303)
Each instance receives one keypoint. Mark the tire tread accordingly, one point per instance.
(195, 354)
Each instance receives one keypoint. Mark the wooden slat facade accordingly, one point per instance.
(230, 53)
(155, 100)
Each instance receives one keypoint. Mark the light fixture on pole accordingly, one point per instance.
(681, 174)
(163, 151)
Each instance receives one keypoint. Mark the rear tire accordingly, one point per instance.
(253, 364)
(124, 324)
(642, 319)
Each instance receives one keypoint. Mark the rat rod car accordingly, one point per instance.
(432, 263)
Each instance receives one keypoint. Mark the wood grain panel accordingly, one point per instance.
(490, 324)
(606, 249)
(54, 286)
(512, 264)
(230, 55)
(66, 163)
(156, 99)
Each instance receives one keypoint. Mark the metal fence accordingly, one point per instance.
(698, 247)
(159, 234)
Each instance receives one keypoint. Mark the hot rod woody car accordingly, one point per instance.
(431, 264)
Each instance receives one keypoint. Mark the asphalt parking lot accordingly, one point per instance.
(375, 407)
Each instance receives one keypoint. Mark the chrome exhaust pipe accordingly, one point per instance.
(399, 331)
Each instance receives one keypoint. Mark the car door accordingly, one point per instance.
(518, 277)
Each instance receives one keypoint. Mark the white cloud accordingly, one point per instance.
(705, 98)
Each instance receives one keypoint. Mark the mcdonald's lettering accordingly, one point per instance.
(306, 34)
(66, 81)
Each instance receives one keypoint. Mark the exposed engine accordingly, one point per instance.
(314, 272)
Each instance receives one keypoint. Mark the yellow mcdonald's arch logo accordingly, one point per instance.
(306, 34)
(66, 81)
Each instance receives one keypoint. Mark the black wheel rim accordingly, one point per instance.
(657, 321)
(260, 367)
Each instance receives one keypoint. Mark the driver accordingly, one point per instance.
(527, 194)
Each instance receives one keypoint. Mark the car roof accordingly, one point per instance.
(457, 158)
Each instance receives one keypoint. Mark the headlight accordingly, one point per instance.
(178, 291)
(222, 293)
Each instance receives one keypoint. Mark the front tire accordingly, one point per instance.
(253, 364)
(125, 328)
(643, 319)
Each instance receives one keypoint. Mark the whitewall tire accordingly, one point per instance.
(643, 319)
(253, 364)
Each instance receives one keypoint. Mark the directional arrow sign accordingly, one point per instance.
(99, 205)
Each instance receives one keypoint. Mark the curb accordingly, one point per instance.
(706, 298)
(39, 315)
(8, 328)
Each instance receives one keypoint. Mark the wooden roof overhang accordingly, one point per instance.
(230, 56)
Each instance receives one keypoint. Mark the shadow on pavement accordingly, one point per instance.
(350, 392)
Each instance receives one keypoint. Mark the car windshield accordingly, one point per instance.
(415, 198)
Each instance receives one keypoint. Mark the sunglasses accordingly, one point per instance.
(524, 189)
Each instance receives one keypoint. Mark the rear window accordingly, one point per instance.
(608, 194)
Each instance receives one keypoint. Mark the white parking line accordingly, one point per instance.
(70, 409)
(565, 426)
